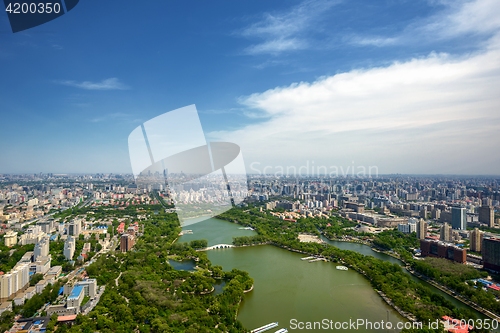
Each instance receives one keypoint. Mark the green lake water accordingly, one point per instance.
(287, 288)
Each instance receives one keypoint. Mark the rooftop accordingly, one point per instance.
(75, 293)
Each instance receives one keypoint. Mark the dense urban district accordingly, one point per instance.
(87, 253)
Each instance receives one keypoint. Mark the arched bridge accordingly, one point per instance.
(218, 246)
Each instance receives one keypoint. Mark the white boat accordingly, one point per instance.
(265, 328)
(342, 268)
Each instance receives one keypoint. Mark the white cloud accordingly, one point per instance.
(107, 84)
(427, 115)
(463, 17)
(277, 46)
(457, 19)
(282, 32)
(372, 41)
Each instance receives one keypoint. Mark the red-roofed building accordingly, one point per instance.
(66, 318)
(459, 330)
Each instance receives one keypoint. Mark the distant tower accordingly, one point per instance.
(487, 215)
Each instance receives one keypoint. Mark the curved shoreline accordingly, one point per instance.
(409, 316)
(208, 291)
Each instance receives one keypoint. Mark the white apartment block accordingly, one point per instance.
(32, 235)
(69, 248)
(10, 238)
(41, 248)
(14, 281)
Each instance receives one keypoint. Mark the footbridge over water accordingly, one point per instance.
(218, 246)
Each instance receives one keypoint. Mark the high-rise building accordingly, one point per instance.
(131, 230)
(126, 242)
(446, 234)
(436, 213)
(46, 226)
(69, 248)
(41, 248)
(423, 213)
(476, 238)
(487, 215)
(74, 228)
(32, 235)
(408, 228)
(491, 253)
(23, 275)
(5, 286)
(421, 229)
(15, 280)
(458, 218)
(486, 202)
(10, 238)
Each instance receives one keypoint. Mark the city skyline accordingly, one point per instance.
(408, 88)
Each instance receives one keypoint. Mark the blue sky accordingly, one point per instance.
(407, 86)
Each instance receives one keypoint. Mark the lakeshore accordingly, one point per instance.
(222, 256)
(286, 287)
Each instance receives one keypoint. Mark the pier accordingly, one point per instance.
(318, 259)
(307, 258)
(265, 328)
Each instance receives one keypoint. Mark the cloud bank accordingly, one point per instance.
(434, 114)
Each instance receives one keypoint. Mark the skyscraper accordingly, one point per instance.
(458, 218)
